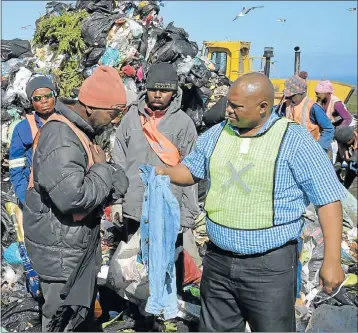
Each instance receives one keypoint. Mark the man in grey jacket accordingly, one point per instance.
(161, 106)
(61, 248)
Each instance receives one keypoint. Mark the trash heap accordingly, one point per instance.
(71, 41)
(316, 310)
(19, 310)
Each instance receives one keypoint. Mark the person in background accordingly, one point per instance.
(156, 131)
(303, 110)
(42, 94)
(303, 75)
(335, 109)
(69, 184)
(264, 170)
(347, 140)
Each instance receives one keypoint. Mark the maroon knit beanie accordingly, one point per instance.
(103, 89)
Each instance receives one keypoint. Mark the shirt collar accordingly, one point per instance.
(274, 116)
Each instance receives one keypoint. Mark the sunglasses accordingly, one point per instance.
(38, 98)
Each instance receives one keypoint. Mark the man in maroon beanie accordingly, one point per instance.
(70, 182)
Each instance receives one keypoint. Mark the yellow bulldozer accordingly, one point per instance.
(233, 60)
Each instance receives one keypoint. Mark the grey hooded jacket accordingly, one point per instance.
(131, 149)
(55, 243)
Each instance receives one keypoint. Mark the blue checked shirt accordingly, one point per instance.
(304, 174)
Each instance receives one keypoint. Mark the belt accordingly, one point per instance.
(212, 247)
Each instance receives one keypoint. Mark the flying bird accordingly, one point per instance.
(26, 26)
(245, 11)
(281, 20)
(352, 9)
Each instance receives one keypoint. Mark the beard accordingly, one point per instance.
(103, 137)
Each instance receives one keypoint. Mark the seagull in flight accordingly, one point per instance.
(245, 11)
(26, 26)
(281, 20)
(352, 9)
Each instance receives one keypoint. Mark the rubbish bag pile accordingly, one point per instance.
(70, 41)
(20, 311)
(310, 298)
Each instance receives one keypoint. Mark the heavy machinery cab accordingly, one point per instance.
(233, 60)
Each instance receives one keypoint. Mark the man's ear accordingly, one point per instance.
(89, 111)
(263, 109)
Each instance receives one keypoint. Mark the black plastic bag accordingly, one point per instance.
(92, 56)
(223, 81)
(178, 31)
(15, 48)
(199, 75)
(193, 105)
(144, 42)
(146, 10)
(172, 43)
(104, 6)
(96, 27)
(57, 8)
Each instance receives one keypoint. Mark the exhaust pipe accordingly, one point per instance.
(268, 54)
(297, 60)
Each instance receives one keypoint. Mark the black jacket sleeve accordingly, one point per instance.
(216, 114)
(62, 172)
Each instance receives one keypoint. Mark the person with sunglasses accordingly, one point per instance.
(42, 94)
(69, 184)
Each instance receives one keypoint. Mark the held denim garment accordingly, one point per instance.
(159, 227)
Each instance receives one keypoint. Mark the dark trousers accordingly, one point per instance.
(258, 289)
(51, 293)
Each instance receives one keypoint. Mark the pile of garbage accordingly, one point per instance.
(71, 41)
(19, 310)
(315, 309)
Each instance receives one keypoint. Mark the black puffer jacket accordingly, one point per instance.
(54, 242)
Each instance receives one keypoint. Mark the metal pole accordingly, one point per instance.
(297, 60)
(268, 54)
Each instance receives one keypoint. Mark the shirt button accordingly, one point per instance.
(146, 221)
(147, 240)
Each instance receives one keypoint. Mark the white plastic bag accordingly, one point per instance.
(18, 87)
(126, 276)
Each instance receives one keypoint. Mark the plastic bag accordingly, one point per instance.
(92, 56)
(110, 57)
(7, 66)
(126, 276)
(17, 89)
(199, 75)
(172, 43)
(56, 8)
(12, 254)
(96, 27)
(185, 66)
(15, 48)
(130, 84)
(105, 6)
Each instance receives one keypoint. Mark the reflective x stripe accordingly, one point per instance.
(17, 162)
(236, 176)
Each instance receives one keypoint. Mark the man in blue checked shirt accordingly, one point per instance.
(263, 172)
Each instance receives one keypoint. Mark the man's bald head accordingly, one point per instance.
(250, 100)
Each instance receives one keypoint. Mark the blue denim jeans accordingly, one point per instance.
(159, 227)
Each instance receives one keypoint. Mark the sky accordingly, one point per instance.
(325, 30)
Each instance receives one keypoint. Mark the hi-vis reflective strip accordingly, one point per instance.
(17, 162)
(236, 176)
